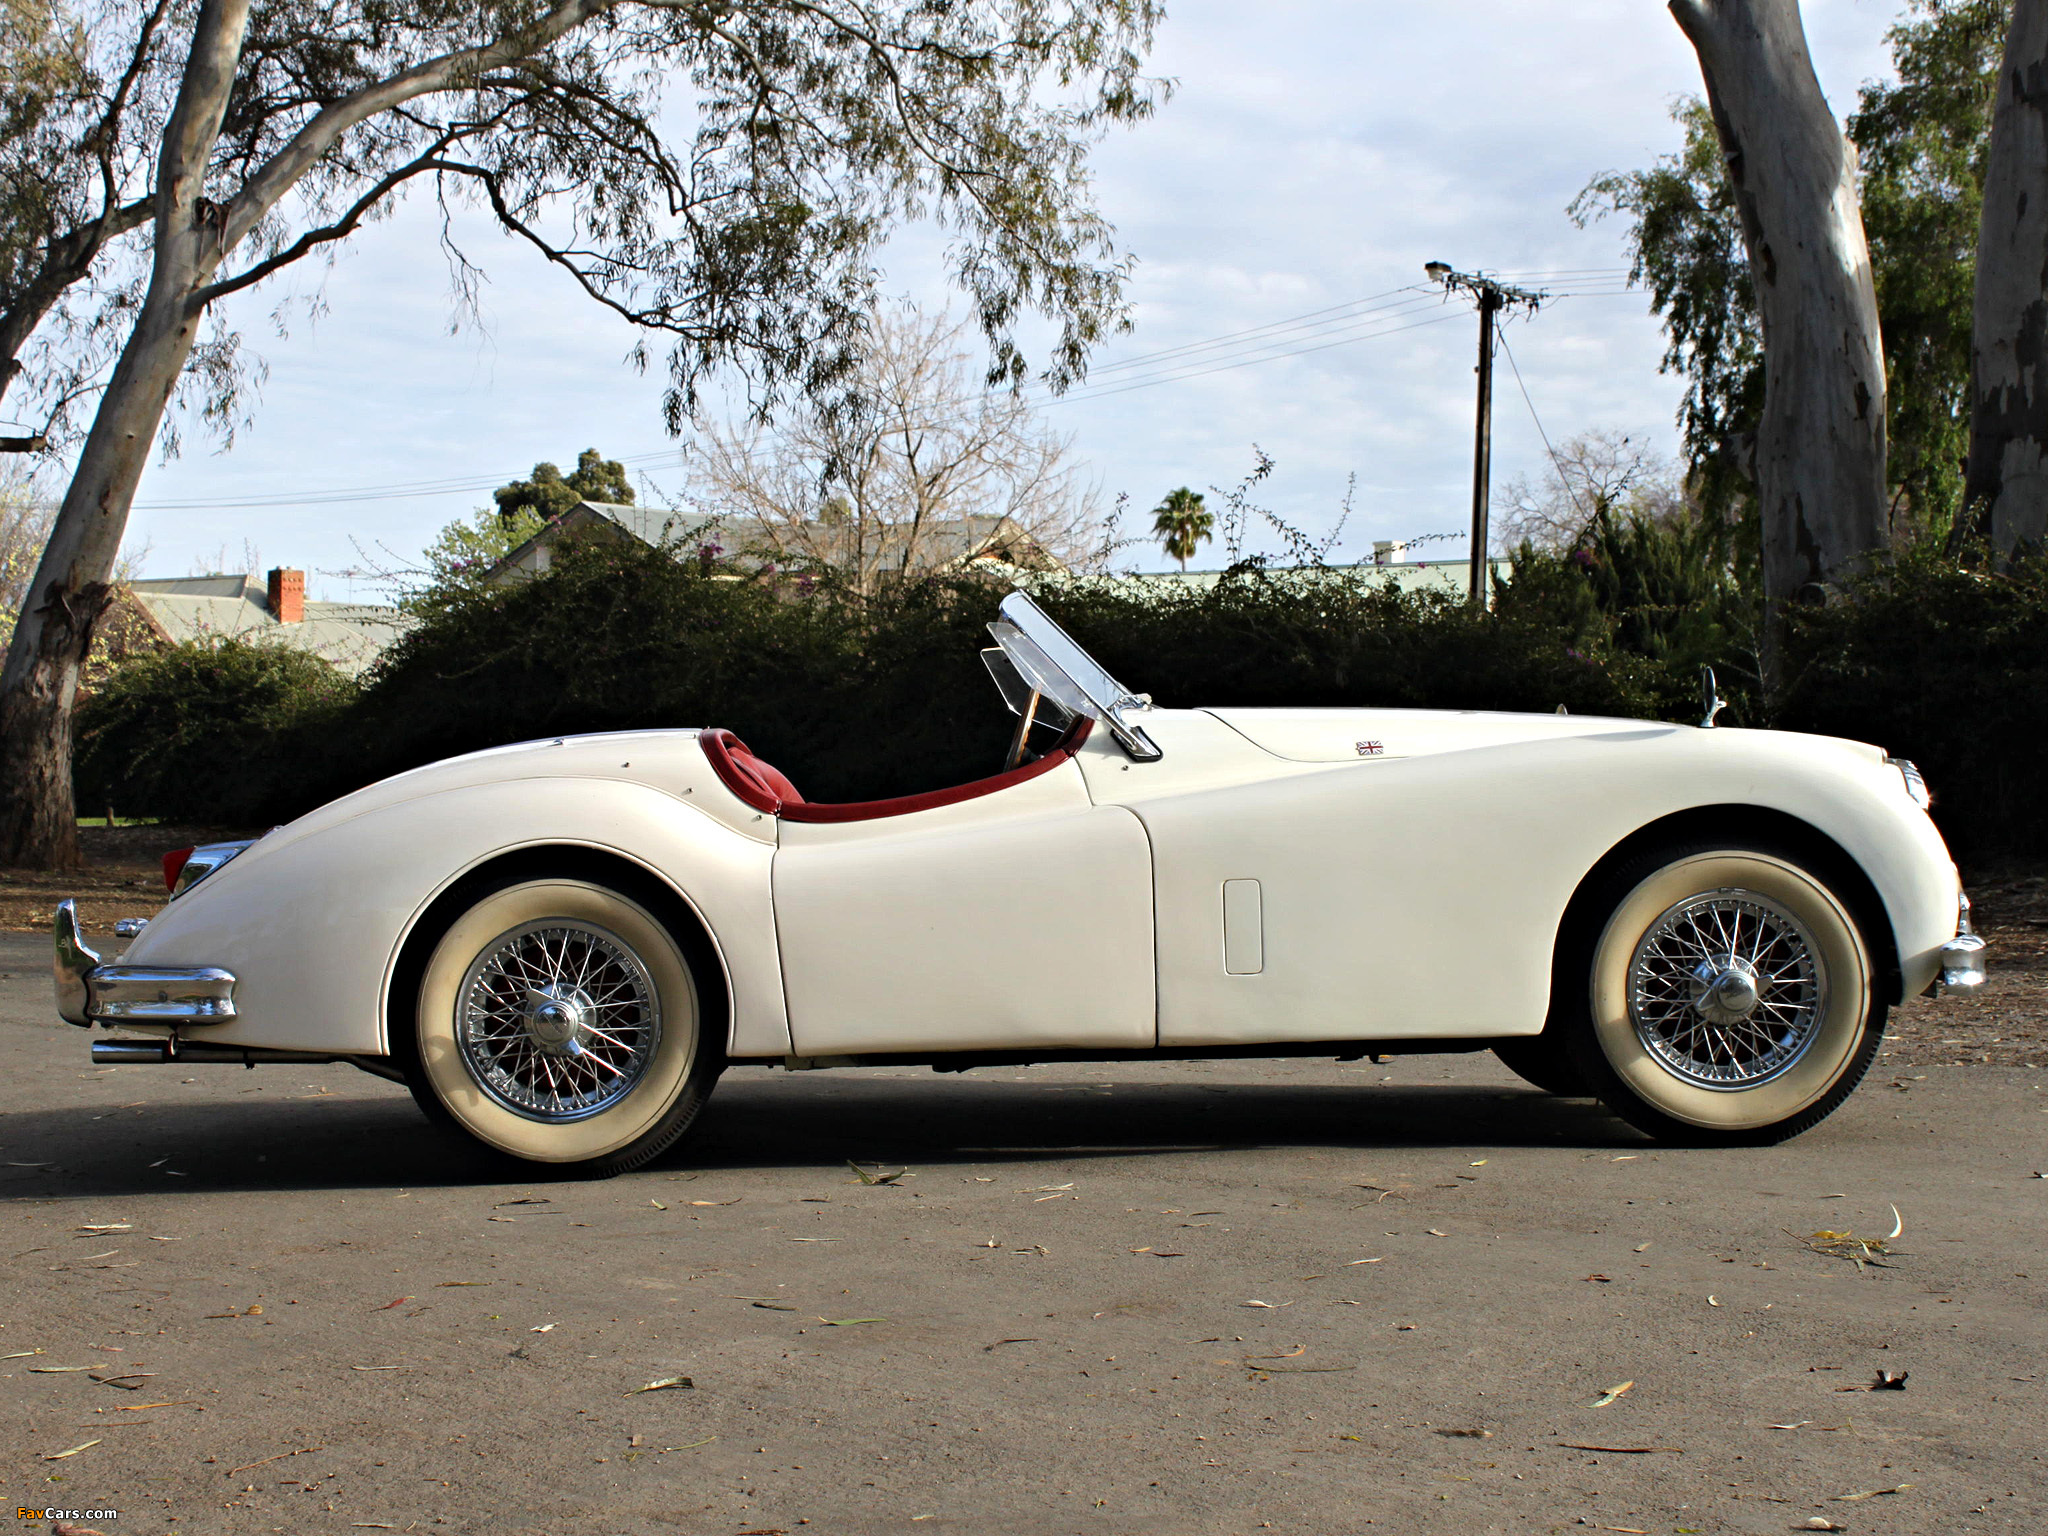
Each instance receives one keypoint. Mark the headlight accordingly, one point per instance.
(1916, 786)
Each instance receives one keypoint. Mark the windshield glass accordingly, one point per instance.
(1049, 661)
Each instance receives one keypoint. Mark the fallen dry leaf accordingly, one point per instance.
(664, 1384)
(60, 1455)
(304, 1450)
(1872, 1493)
(390, 1304)
(1614, 1394)
(1623, 1450)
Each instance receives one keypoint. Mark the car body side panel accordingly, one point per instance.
(1421, 896)
(1020, 919)
(312, 932)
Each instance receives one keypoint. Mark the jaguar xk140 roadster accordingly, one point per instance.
(559, 946)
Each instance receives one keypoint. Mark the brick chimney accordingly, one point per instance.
(288, 596)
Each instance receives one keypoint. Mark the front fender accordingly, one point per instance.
(312, 928)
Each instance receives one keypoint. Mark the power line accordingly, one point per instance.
(1562, 478)
(1277, 327)
(1338, 325)
(1176, 378)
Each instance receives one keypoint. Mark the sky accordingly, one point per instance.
(1316, 154)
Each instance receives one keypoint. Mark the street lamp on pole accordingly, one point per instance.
(1490, 298)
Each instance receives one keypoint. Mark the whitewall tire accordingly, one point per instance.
(1730, 995)
(558, 1020)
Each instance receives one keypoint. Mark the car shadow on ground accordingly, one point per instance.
(381, 1140)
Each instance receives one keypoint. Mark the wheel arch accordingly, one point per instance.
(1737, 822)
(584, 861)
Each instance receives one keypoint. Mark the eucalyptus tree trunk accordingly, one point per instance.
(52, 637)
(1820, 448)
(2006, 482)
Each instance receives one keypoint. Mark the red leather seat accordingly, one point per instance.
(767, 789)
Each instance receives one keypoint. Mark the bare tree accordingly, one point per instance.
(1820, 449)
(2006, 482)
(1596, 469)
(742, 222)
(927, 466)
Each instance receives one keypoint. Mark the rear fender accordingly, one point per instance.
(314, 932)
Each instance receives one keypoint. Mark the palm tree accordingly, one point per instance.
(1182, 524)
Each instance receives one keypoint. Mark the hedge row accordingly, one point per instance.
(863, 698)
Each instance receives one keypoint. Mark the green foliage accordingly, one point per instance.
(1946, 665)
(466, 549)
(550, 493)
(1922, 143)
(1183, 524)
(1685, 245)
(853, 698)
(861, 697)
(1335, 637)
(1671, 592)
(217, 731)
(720, 175)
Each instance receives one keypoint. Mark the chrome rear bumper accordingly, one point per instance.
(90, 993)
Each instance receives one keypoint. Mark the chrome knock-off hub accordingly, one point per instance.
(555, 1017)
(558, 1020)
(1728, 990)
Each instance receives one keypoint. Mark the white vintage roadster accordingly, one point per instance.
(558, 946)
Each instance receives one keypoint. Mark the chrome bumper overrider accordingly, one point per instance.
(1962, 957)
(90, 993)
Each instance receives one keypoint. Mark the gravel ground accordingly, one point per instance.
(1177, 1298)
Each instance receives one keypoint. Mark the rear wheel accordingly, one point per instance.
(1731, 996)
(560, 1021)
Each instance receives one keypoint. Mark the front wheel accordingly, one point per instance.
(1730, 993)
(560, 1021)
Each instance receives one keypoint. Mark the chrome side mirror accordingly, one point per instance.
(1710, 698)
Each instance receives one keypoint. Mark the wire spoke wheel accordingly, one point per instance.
(1731, 997)
(558, 1021)
(561, 1020)
(1726, 990)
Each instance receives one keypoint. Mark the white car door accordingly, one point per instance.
(1016, 919)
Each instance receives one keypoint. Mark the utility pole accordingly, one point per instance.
(1491, 298)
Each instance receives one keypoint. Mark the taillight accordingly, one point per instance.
(174, 862)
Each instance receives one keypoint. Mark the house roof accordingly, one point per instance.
(182, 608)
(948, 542)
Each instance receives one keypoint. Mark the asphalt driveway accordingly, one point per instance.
(1185, 1298)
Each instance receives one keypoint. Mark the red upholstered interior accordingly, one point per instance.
(768, 790)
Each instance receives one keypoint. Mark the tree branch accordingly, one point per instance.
(282, 171)
(340, 229)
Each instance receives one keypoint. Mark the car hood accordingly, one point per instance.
(1345, 735)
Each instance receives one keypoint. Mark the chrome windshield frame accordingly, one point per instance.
(1048, 658)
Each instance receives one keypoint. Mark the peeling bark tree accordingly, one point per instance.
(1820, 449)
(2007, 480)
(746, 228)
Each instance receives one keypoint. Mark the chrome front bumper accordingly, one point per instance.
(1962, 957)
(90, 993)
